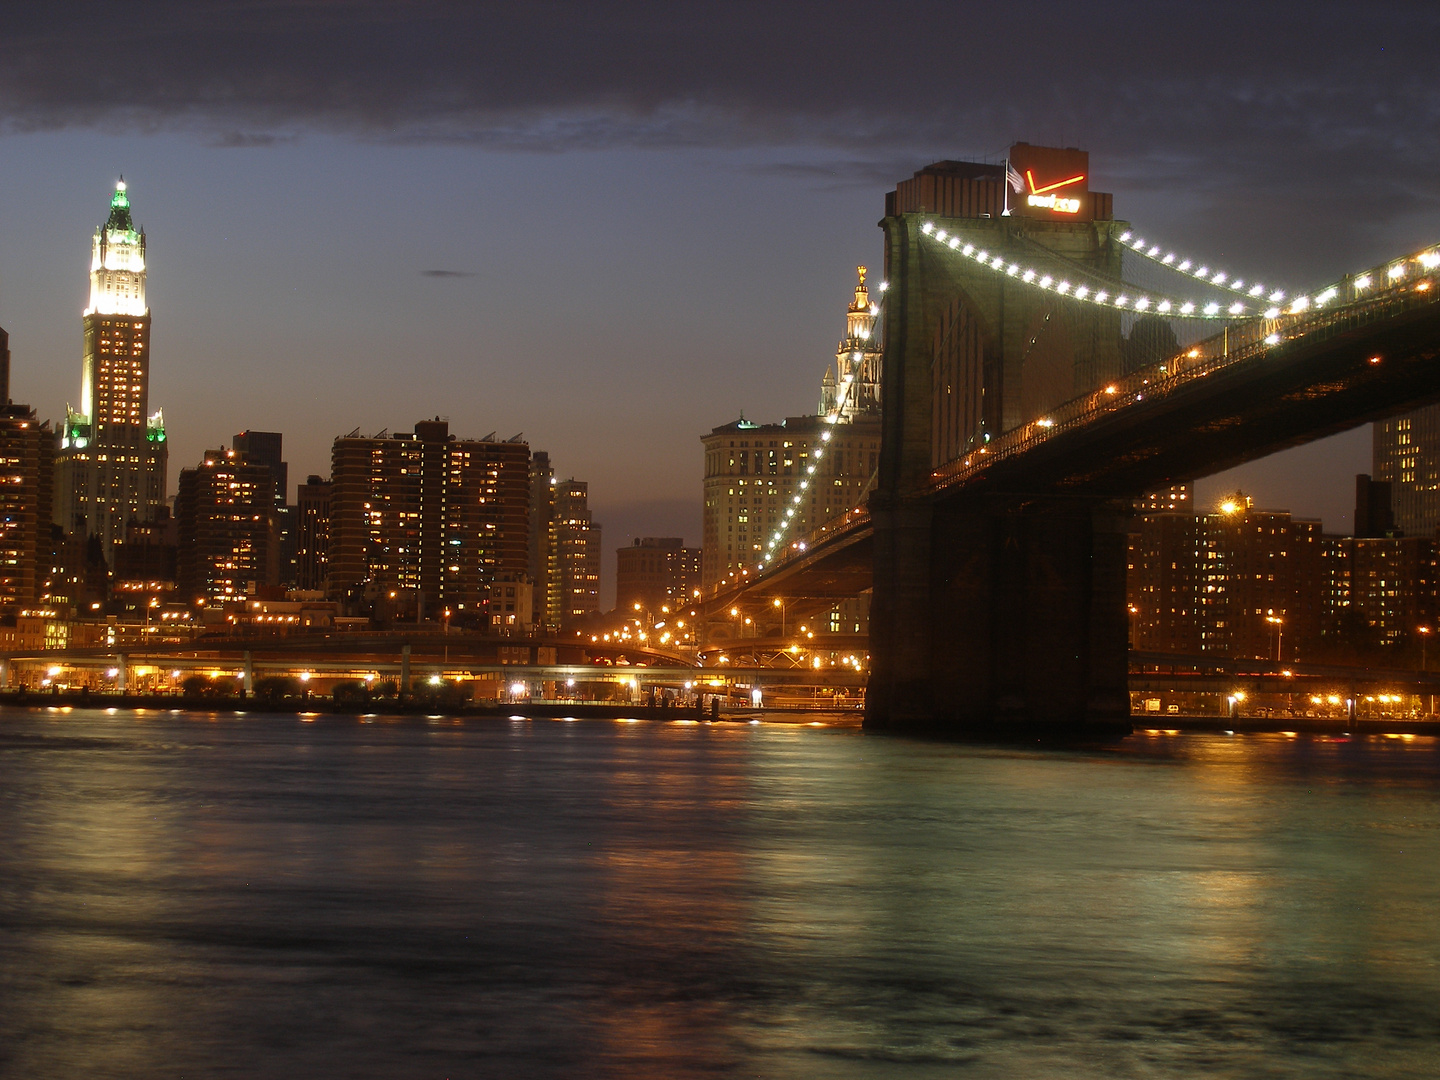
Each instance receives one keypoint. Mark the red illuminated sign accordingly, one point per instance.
(1045, 198)
(1049, 182)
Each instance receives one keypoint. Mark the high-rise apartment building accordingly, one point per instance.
(4, 367)
(1405, 453)
(267, 448)
(27, 471)
(145, 566)
(794, 476)
(655, 572)
(1239, 582)
(226, 545)
(547, 603)
(438, 517)
(578, 547)
(110, 467)
(312, 533)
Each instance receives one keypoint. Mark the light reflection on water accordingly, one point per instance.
(209, 894)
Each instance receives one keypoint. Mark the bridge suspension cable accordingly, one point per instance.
(1142, 301)
(1118, 297)
(1199, 270)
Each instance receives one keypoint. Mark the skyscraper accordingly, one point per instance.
(225, 526)
(312, 528)
(1405, 453)
(267, 448)
(857, 362)
(110, 465)
(439, 517)
(4, 367)
(544, 544)
(578, 543)
(27, 471)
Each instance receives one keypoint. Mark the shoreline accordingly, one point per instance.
(1146, 725)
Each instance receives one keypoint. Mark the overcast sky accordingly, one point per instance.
(613, 226)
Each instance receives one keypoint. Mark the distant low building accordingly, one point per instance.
(655, 572)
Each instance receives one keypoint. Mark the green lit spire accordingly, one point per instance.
(120, 210)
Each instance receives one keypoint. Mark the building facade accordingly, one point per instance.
(547, 602)
(578, 552)
(851, 389)
(27, 472)
(656, 572)
(312, 534)
(1239, 582)
(429, 515)
(112, 455)
(752, 478)
(226, 543)
(1405, 453)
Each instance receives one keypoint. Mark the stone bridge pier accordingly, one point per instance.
(1002, 617)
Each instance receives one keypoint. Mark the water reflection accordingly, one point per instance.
(275, 897)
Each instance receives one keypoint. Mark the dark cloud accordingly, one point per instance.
(1326, 100)
(446, 273)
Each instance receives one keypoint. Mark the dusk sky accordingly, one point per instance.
(614, 226)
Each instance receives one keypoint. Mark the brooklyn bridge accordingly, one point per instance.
(1044, 365)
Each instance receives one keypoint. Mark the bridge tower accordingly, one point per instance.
(1001, 615)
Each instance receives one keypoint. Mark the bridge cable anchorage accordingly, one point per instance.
(848, 386)
(1200, 271)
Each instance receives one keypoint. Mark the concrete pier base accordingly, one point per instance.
(1003, 618)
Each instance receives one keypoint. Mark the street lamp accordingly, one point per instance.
(1424, 639)
(1279, 624)
(781, 605)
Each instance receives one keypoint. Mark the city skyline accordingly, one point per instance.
(585, 262)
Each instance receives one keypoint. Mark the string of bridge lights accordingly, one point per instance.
(1136, 300)
(1199, 270)
(847, 386)
(1142, 302)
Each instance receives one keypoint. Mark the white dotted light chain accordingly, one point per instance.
(847, 387)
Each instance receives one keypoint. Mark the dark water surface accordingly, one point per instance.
(186, 895)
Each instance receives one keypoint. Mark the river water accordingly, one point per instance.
(194, 895)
